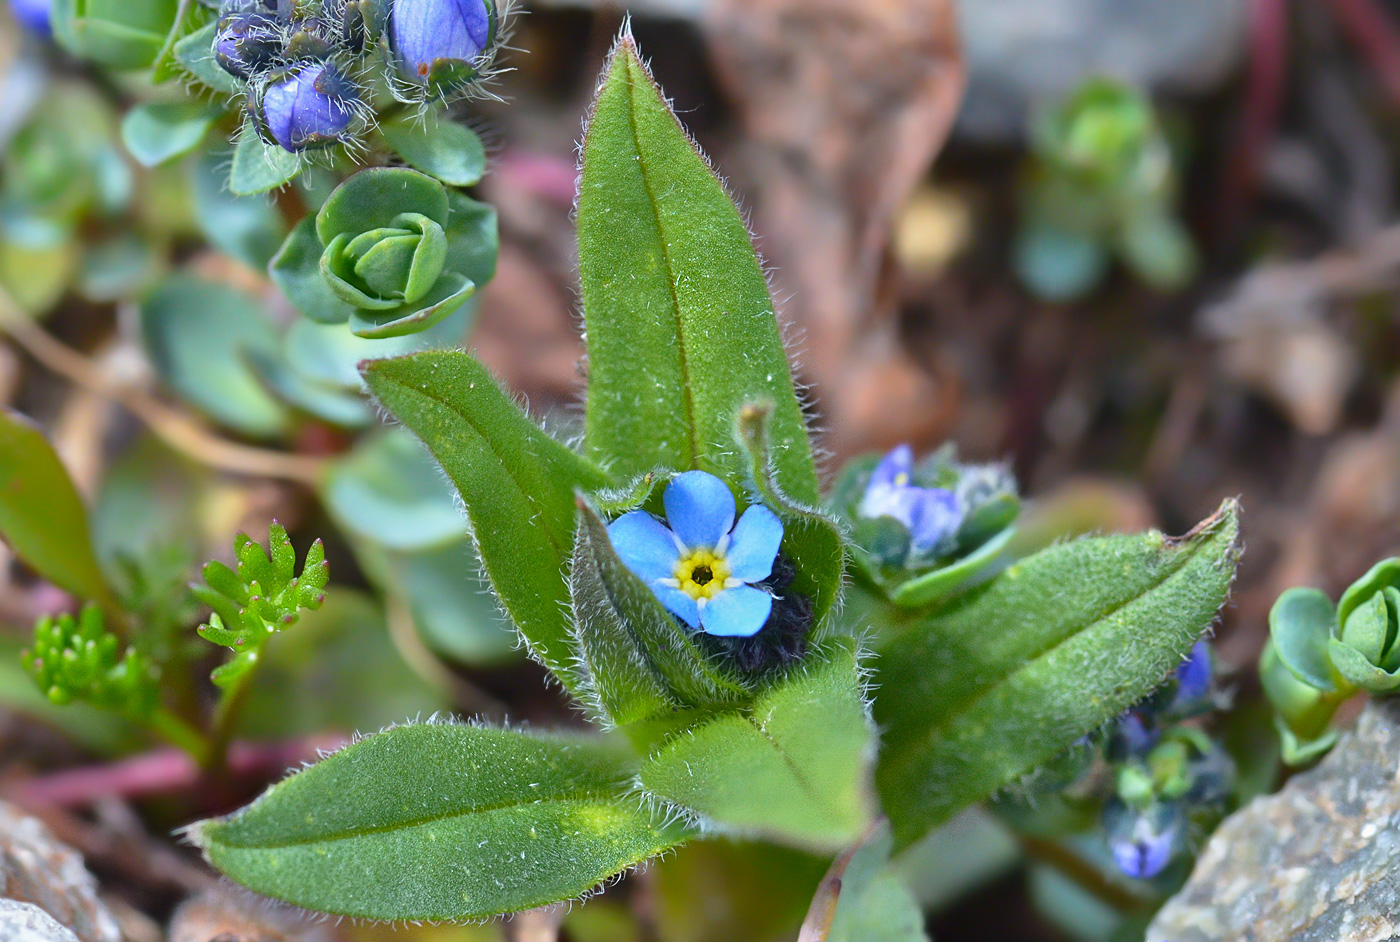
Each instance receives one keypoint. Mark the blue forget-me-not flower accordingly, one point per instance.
(700, 563)
(931, 514)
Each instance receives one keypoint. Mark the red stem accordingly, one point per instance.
(1376, 35)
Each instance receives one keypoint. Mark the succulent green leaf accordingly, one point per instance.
(1382, 574)
(195, 53)
(42, 517)
(249, 228)
(161, 131)
(296, 268)
(517, 484)
(638, 661)
(259, 167)
(473, 238)
(940, 583)
(790, 767)
(810, 537)
(390, 490)
(442, 822)
(1006, 676)
(372, 199)
(444, 149)
(1357, 668)
(1367, 627)
(1300, 624)
(681, 327)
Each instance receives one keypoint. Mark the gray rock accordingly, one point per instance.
(25, 922)
(1317, 862)
(36, 868)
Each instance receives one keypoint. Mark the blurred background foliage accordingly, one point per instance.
(1153, 264)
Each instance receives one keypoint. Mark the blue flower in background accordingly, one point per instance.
(931, 514)
(1193, 676)
(1144, 843)
(309, 107)
(703, 566)
(33, 14)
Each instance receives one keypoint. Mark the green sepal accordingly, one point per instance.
(157, 132)
(680, 324)
(443, 821)
(1300, 624)
(516, 482)
(441, 148)
(259, 167)
(940, 583)
(42, 517)
(792, 766)
(195, 54)
(810, 537)
(1005, 677)
(296, 268)
(639, 661)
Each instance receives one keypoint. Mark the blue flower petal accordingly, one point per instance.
(699, 508)
(645, 546)
(1193, 676)
(934, 516)
(900, 460)
(754, 544)
(736, 613)
(678, 604)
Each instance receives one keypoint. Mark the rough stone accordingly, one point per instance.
(25, 922)
(36, 868)
(1317, 862)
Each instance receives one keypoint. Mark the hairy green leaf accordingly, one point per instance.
(681, 327)
(791, 767)
(442, 822)
(42, 518)
(1007, 676)
(517, 484)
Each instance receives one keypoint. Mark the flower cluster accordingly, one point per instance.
(78, 659)
(307, 67)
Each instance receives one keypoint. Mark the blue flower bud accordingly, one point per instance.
(33, 15)
(246, 42)
(439, 45)
(1193, 677)
(1143, 843)
(310, 106)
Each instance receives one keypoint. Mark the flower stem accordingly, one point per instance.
(179, 733)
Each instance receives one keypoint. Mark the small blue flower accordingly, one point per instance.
(1193, 676)
(432, 39)
(703, 566)
(34, 15)
(1144, 843)
(311, 106)
(931, 514)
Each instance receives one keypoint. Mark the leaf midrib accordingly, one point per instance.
(343, 835)
(909, 749)
(491, 447)
(832, 814)
(687, 393)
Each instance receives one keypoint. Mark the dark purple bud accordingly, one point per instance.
(1132, 736)
(310, 106)
(438, 43)
(246, 42)
(33, 15)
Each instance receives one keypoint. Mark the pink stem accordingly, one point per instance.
(163, 771)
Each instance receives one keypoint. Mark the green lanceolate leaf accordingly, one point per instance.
(791, 767)
(811, 537)
(681, 327)
(442, 822)
(444, 149)
(259, 167)
(157, 132)
(640, 661)
(1008, 675)
(517, 484)
(42, 518)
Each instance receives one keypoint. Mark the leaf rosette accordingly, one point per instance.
(392, 252)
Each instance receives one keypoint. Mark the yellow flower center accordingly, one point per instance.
(702, 574)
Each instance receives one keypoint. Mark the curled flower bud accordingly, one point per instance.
(438, 46)
(307, 107)
(33, 15)
(246, 42)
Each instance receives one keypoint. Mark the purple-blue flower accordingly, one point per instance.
(244, 42)
(429, 37)
(1193, 676)
(1143, 844)
(308, 107)
(931, 514)
(33, 15)
(703, 565)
